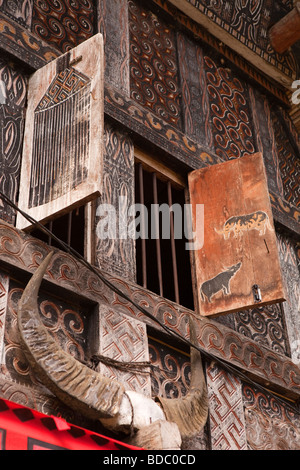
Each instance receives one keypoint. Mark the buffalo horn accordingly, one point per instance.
(75, 384)
(189, 412)
(87, 391)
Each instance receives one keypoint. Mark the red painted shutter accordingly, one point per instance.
(239, 250)
(63, 140)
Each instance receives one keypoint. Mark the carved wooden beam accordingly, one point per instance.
(286, 31)
(242, 45)
(24, 45)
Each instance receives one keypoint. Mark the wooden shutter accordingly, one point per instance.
(239, 250)
(63, 140)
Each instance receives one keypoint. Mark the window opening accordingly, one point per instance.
(163, 263)
(70, 228)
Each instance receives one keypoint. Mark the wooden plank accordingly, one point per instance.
(63, 141)
(286, 31)
(239, 249)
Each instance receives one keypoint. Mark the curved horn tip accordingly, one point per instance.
(32, 288)
(190, 412)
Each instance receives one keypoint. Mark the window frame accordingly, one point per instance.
(173, 180)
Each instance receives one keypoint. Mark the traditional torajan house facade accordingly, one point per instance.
(108, 104)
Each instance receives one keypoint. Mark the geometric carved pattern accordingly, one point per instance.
(63, 24)
(153, 64)
(64, 85)
(64, 321)
(170, 378)
(170, 375)
(18, 10)
(3, 302)
(226, 415)
(290, 266)
(248, 22)
(230, 112)
(265, 325)
(289, 162)
(116, 255)
(12, 104)
(270, 424)
(124, 339)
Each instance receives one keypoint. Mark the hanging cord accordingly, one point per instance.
(139, 367)
(170, 332)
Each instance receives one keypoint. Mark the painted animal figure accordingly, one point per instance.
(238, 224)
(219, 283)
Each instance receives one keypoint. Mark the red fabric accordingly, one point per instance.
(24, 429)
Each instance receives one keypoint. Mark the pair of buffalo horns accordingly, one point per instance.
(87, 391)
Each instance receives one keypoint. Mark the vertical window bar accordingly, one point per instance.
(69, 228)
(158, 252)
(143, 240)
(51, 230)
(174, 263)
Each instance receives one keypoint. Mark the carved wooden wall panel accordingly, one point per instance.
(117, 255)
(170, 378)
(124, 339)
(18, 10)
(230, 109)
(12, 112)
(266, 325)
(195, 103)
(63, 24)
(288, 157)
(270, 424)
(226, 414)
(289, 253)
(20, 43)
(153, 64)
(65, 321)
(247, 25)
(171, 372)
(23, 252)
(157, 132)
(4, 288)
(265, 137)
(113, 24)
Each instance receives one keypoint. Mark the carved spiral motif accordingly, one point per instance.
(264, 325)
(153, 64)
(65, 324)
(269, 424)
(171, 377)
(63, 23)
(233, 135)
